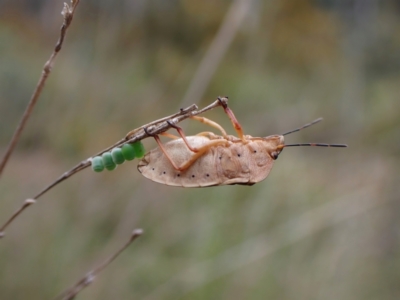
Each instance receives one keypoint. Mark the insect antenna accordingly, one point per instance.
(311, 144)
(316, 145)
(304, 126)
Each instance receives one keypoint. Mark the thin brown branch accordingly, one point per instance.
(71, 292)
(68, 13)
(152, 128)
(26, 203)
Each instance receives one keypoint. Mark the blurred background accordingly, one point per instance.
(325, 224)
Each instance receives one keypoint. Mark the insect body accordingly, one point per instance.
(231, 162)
(208, 159)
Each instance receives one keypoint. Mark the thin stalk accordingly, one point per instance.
(68, 13)
(71, 292)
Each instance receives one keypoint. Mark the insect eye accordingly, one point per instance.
(274, 155)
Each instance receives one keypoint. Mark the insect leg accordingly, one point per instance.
(165, 152)
(210, 123)
(189, 162)
(200, 152)
(171, 136)
(156, 137)
(235, 123)
(183, 136)
(209, 134)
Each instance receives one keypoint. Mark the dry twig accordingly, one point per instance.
(90, 276)
(68, 13)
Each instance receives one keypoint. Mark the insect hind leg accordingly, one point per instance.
(183, 136)
(200, 151)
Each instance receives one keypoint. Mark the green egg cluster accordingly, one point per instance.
(110, 160)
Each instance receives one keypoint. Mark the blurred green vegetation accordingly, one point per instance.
(324, 225)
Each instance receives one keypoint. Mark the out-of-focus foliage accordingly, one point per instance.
(324, 225)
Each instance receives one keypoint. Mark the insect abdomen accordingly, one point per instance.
(236, 163)
(155, 165)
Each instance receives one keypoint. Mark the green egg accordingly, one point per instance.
(128, 151)
(109, 164)
(139, 149)
(117, 156)
(97, 164)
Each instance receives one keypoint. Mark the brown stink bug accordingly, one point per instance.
(207, 159)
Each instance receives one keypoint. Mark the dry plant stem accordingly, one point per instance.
(89, 277)
(156, 127)
(26, 203)
(68, 13)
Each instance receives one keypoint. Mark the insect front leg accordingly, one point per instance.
(210, 123)
(231, 115)
(210, 135)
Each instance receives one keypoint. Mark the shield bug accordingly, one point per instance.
(207, 159)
